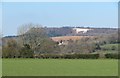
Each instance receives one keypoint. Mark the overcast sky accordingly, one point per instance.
(58, 14)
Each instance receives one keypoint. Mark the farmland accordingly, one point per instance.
(60, 67)
(65, 38)
(35, 53)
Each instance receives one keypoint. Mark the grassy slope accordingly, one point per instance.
(108, 48)
(78, 67)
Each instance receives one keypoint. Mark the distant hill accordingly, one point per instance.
(67, 32)
(70, 40)
(79, 31)
(54, 32)
(70, 31)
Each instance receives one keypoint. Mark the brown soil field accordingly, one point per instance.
(65, 38)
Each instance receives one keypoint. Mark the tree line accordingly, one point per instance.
(33, 42)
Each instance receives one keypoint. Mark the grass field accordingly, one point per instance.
(59, 67)
(110, 46)
(107, 48)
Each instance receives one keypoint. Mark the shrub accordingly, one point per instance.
(112, 56)
(26, 52)
(69, 56)
(88, 56)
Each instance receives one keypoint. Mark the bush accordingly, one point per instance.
(69, 56)
(88, 56)
(112, 56)
(26, 52)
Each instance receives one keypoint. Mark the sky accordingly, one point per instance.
(58, 14)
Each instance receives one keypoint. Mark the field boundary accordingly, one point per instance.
(60, 77)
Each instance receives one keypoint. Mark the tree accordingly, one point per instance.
(38, 40)
(84, 45)
(22, 30)
(30, 34)
(11, 49)
(26, 51)
(47, 46)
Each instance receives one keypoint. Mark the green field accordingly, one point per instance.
(60, 67)
(110, 46)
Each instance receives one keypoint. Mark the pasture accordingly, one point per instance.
(59, 67)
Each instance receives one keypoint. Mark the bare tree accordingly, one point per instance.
(22, 30)
(11, 49)
(34, 36)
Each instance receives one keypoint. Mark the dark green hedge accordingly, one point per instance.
(112, 56)
(88, 56)
(69, 56)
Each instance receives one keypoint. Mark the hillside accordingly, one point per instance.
(67, 33)
(70, 31)
(79, 31)
(65, 40)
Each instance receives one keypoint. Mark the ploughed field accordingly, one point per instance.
(60, 67)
